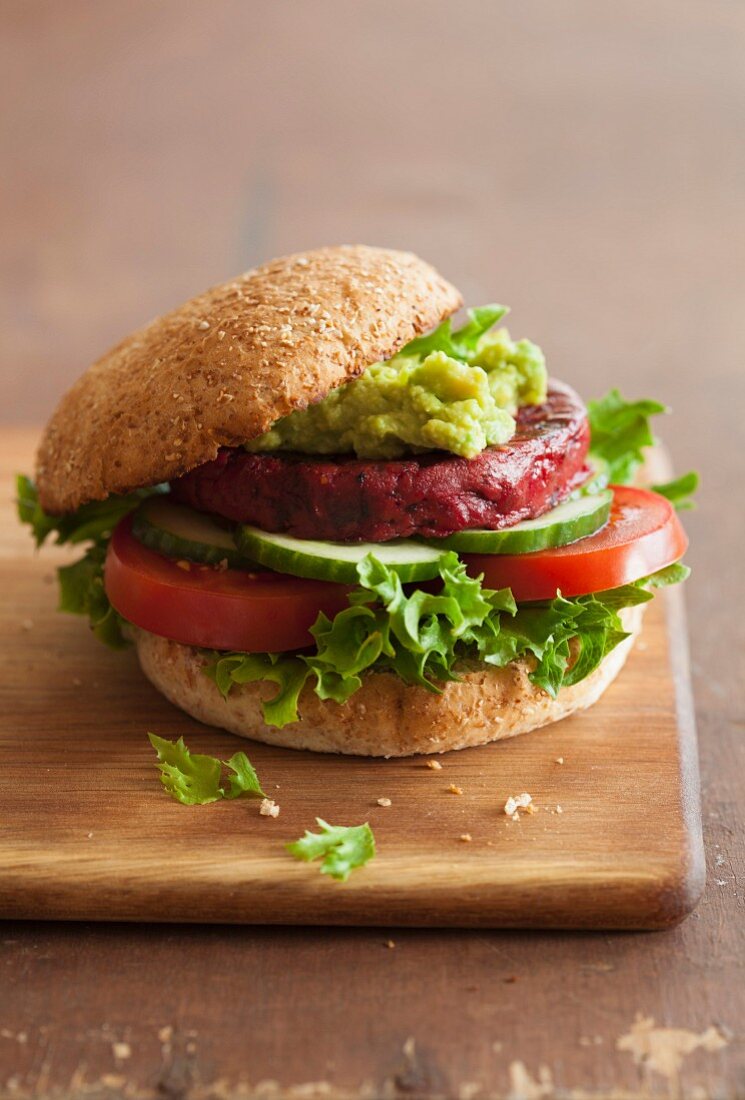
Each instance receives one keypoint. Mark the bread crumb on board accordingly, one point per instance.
(455, 789)
(435, 765)
(269, 808)
(465, 837)
(384, 802)
(518, 802)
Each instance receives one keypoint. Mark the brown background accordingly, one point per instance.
(581, 161)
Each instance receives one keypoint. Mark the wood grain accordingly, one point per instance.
(579, 161)
(116, 848)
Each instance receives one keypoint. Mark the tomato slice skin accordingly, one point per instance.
(202, 606)
(643, 534)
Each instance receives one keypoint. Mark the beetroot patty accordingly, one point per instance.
(348, 499)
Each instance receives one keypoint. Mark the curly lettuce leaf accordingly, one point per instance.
(619, 433)
(195, 780)
(244, 780)
(81, 592)
(341, 848)
(92, 522)
(81, 585)
(190, 778)
(424, 637)
(288, 672)
(31, 512)
(673, 574)
(620, 430)
(460, 344)
(353, 642)
(480, 320)
(680, 491)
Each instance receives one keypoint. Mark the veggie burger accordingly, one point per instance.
(328, 519)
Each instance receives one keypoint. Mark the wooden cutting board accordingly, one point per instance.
(86, 832)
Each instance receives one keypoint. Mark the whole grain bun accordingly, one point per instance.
(222, 368)
(385, 717)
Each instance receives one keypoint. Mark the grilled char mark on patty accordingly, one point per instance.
(344, 498)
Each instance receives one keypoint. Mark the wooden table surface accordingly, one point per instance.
(583, 162)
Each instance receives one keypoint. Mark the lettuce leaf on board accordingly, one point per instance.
(195, 779)
(341, 848)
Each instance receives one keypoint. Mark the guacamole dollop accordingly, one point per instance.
(450, 391)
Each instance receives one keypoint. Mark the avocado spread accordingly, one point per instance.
(451, 391)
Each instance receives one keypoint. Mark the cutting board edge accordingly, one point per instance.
(693, 876)
(663, 905)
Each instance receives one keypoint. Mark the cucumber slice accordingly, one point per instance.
(179, 532)
(336, 561)
(568, 522)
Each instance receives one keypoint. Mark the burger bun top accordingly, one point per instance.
(221, 369)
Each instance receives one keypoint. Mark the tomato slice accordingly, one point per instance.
(202, 606)
(642, 535)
